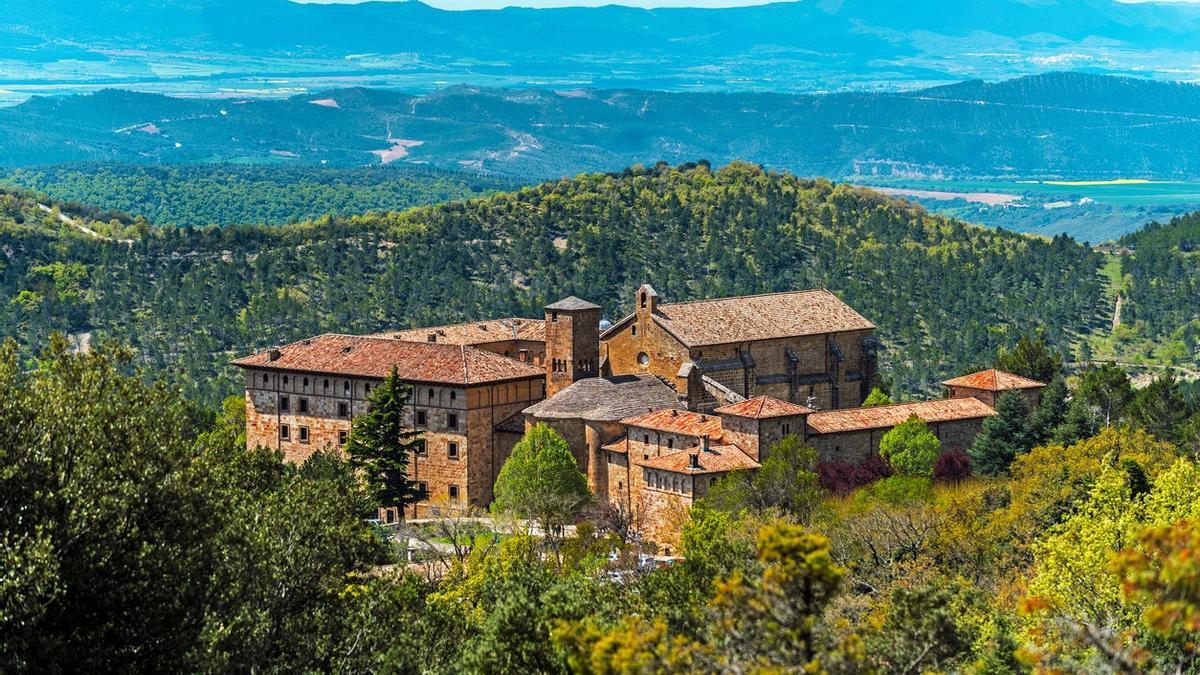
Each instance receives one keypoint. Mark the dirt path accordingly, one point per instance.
(1117, 313)
(81, 227)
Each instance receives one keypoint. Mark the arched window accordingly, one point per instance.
(346, 386)
(306, 383)
(643, 299)
(430, 394)
(453, 395)
(327, 384)
(266, 378)
(643, 359)
(285, 379)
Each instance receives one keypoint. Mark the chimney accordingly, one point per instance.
(694, 459)
(274, 354)
(432, 337)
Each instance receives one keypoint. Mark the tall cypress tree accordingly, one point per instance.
(1004, 436)
(380, 444)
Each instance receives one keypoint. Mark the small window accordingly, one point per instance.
(343, 436)
(452, 420)
(343, 409)
(553, 316)
(285, 432)
(643, 299)
(326, 386)
(454, 492)
(421, 418)
(285, 379)
(346, 386)
(430, 394)
(390, 514)
(452, 450)
(633, 330)
(303, 405)
(420, 448)
(423, 487)
(453, 395)
(306, 383)
(303, 434)
(670, 442)
(787, 429)
(643, 359)
(620, 486)
(367, 388)
(266, 378)
(285, 404)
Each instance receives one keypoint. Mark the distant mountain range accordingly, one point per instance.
(1056, 125)
(258, 47)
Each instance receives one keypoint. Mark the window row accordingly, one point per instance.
(421, 449)
(302, 434)
(302, 407)
(452, 490)
(326, 386)
(421, 419)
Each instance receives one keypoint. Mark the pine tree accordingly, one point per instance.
(1080, 423)
(380, 445)
(1004, 436)
(1051, 411)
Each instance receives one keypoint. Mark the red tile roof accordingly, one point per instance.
(883, 416)
(362, 356)
(474, 332)
(717, 459)
(762, 407)
(758, 317)
(993, 380)
(620, 446)
(678, 422)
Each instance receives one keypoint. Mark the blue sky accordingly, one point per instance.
(495, 4)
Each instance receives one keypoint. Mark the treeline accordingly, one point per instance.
(229, 194)
(188, 300)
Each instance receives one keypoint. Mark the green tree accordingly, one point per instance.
(1079, 423)
(1031, 358)
(787, 481)
(541, 481)
(1160, 408)
(911, 448)
(1004, 436)
(876, 397)
(1051, 411)
(1108, 389)
(381, 443)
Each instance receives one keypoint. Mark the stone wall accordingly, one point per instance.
(854, 446)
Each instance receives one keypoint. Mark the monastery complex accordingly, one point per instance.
(654, 406)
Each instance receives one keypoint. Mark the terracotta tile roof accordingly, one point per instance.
(717, 459)
(758, 317)
(474, 332)
(621, 446)
(882, 416)
(607, 399)
(993, 380)
(678, 422)
(572, 303)
(363, 356)
(762, 407)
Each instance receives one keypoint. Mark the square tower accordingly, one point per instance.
(572, 343)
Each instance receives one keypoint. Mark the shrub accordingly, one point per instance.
(953, 466)
(843, 477)
(896, 491)
(911, 448)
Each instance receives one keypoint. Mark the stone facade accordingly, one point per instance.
(572, 343)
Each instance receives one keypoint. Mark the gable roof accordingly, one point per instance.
(474, 332)
(674, 421)
(883, 416)
(763, 407)
(749, 318)
(364, 356)
(601, 399)
(993, 380)
(717, 459)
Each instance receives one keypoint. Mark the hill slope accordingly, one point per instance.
(943, 293)
(210, 46)
(1071, 125)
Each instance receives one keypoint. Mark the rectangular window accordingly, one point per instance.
(421, 421)
(343, 436)
(422, 486)
(303, 434)
(787, 429)
(303, 405)
(452, 450)
(285, 404)
(452, 420)
(390, 515)
(285, 432)
(454, 492)
(343, 409)
(420, 448)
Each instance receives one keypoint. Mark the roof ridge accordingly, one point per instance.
(894, 405)
(751, 295)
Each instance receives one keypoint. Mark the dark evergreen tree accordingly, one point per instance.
(1004, 436)
(1160, 408)
(380, 445)
(1079, 423)
(1051, 411)
(1108, 389)
(1030, 358)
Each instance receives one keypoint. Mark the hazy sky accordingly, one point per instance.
(495, 4)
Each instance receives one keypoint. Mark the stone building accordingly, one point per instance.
(853, 434)
(805, 347)
(987, 385)
(303, 397)
(516, 338)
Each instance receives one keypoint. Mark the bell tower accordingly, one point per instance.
(572, 343)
